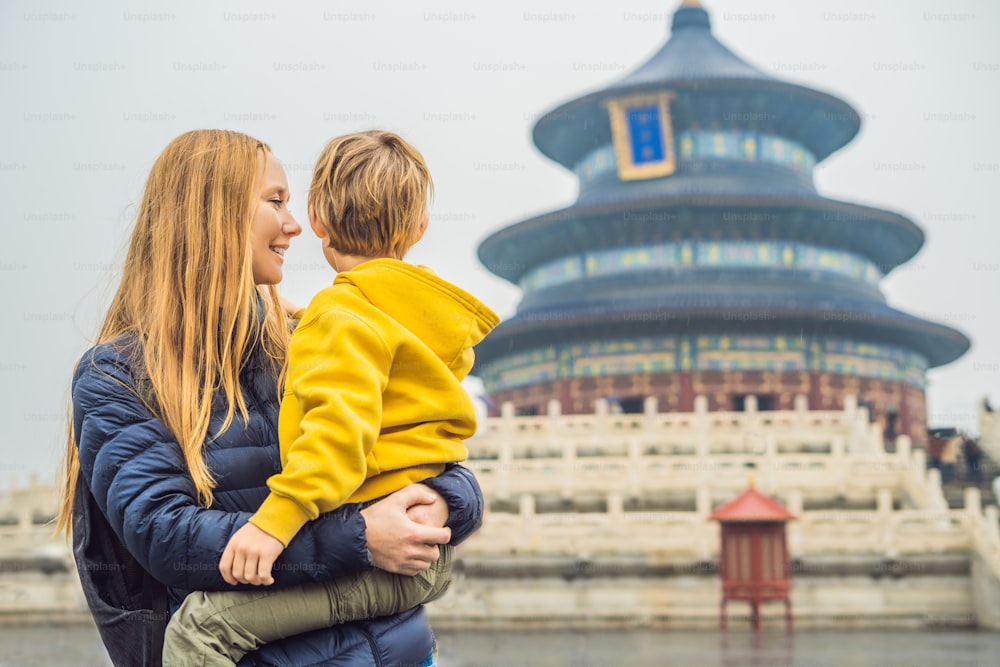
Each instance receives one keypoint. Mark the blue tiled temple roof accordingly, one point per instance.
(726, 306)
(707, 77)
(691, 54)
(887, 238)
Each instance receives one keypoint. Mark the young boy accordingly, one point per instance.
(373, 402)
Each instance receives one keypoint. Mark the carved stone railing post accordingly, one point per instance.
(616, 505)
(872, 441)
(707, 542)
(753, 439)
(526, 508)
(650, 406)
(601, 411)
(650, 411)
(703, 501)
(883, 507)
(973, 501)
(554, 436)
(839, 464)
(568, 481)
(903, 447)
(935, 494)
(24, 527)
(801, 412)
(635, 467)
(702, 444)
(914, 479)
(505, 455)
(850, 406)
(769, 463)
(795, 500)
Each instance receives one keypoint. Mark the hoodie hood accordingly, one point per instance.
(449, 320)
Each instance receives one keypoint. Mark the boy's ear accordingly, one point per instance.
(316, 225)
(421, 228)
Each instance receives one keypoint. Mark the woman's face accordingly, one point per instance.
(273, 225)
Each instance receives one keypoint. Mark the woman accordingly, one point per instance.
(175, 409)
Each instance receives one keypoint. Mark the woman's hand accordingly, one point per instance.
(429, 514)
(397, 542)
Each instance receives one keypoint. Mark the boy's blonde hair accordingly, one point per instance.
(369, 192)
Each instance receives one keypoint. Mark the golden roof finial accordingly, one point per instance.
(750, 482)
(691, 3)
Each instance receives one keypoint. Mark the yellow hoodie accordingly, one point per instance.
(373, 396)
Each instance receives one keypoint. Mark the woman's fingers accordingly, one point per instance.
(430, 514)
(414, 494)
(432, 535)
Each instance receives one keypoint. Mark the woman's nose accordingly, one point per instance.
(290, 226)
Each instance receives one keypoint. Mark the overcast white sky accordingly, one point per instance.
(93, 91)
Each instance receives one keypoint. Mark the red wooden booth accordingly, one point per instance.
(754, 554)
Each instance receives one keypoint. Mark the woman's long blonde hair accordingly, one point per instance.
(187, 293)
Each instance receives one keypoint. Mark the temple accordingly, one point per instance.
(699, 259)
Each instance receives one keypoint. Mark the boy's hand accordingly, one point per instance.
(249, 556)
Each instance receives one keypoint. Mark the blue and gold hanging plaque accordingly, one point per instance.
(643, 136)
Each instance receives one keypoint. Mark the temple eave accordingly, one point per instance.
(939, 344)
(564, 133)
(885, 237)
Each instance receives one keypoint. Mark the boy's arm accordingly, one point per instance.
(338, 369)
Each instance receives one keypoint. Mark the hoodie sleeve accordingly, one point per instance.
(135, 470)
(329, 420)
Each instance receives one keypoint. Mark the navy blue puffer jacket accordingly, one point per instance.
(136, 472)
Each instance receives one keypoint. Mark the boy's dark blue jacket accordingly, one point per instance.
(135, 470)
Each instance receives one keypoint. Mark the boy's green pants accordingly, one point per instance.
(220, 627)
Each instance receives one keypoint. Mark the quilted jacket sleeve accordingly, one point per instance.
(459, 488)
(138, 477)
